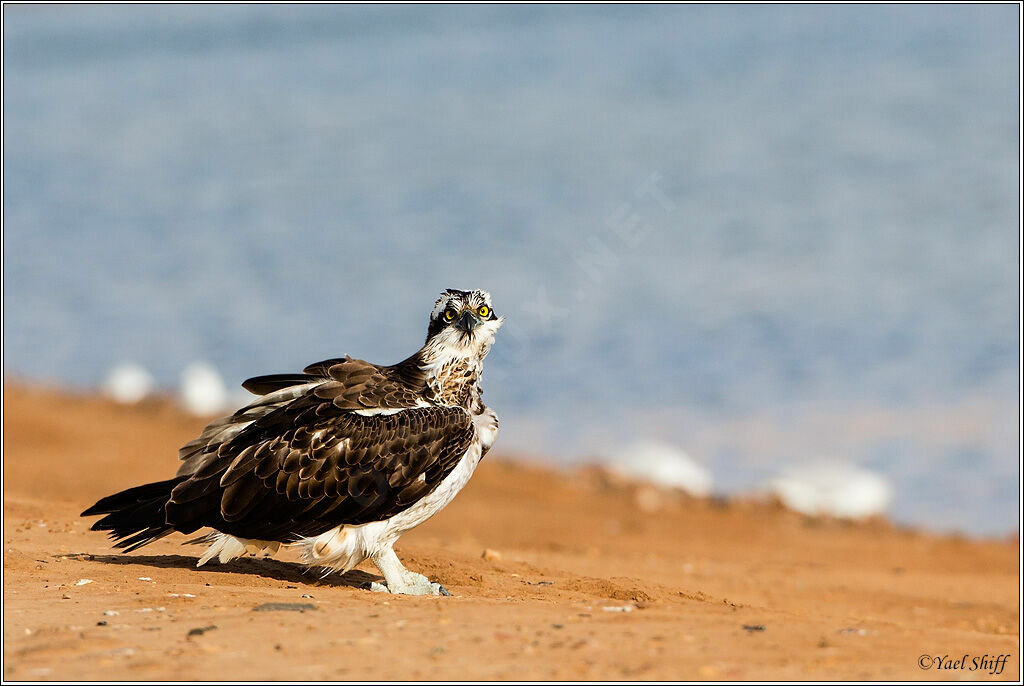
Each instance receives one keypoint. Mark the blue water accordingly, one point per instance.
(771, 235)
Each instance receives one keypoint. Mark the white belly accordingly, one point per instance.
(438, 498)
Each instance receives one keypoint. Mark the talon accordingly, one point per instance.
(441, 590)
(376, 587)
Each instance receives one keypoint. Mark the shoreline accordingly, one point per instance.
(554, 574)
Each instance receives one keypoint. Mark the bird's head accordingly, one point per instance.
(463, 323)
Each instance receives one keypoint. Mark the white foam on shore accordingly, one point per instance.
(836, 489)
(661, 464)
(128, 383)
(203, 391)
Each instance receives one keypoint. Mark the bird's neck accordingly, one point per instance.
(454, 382)
(446, 377)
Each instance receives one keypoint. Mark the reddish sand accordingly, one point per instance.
(584, 583)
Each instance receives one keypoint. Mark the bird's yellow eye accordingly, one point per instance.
(449, 315)
(483, 311)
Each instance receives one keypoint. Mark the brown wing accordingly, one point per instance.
(351, 383)
(200, 450)
(359, 385)
(313, 464)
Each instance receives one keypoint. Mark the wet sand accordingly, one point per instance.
(587, 577)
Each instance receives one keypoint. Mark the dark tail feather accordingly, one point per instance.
(135, 517)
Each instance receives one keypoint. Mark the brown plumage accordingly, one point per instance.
(309, 467)
(308, 459)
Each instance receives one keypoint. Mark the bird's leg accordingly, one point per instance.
(398, 579)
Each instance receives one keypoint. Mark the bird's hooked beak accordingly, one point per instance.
(468, 322)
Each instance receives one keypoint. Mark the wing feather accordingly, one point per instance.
(264, 385)
(320, 368)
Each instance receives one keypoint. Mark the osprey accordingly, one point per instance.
(338, 461)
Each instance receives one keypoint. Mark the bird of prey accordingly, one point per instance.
(338, 461)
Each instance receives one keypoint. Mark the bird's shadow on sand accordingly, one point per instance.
(270, 569)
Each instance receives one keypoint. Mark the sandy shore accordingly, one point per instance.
(584, 583)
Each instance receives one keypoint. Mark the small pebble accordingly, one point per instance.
(286, 607)
(83, 582)
(491, 555)
(619, 608)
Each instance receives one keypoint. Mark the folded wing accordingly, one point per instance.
(343, 443)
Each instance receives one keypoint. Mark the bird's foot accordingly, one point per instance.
(411, 584)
